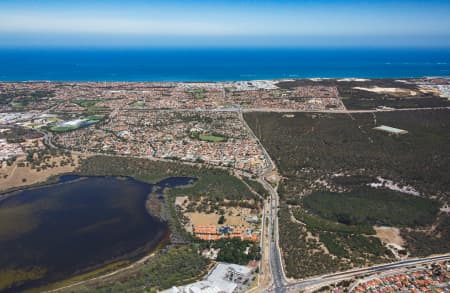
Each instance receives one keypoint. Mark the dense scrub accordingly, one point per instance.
(314, 146)
(373, 207)
(328, 161)
(422, 243)
(257, 187)
(303, 255)
(18, 134)
(234, 250)
(214, 184)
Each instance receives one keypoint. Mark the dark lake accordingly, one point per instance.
(56, 231)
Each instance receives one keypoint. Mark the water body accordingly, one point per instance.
(53, 232)
(218, 64)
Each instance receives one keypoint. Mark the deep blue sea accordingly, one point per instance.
(218, 64)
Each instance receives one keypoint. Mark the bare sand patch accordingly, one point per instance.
(389, 235)
(353, 79)
(429, 90)
(181, 201)
(234, 216)
(388, 90)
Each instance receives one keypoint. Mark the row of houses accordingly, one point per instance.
(213, 232)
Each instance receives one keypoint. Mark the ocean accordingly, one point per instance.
(218, 64)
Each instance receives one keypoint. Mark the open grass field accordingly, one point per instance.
(13, 176)
(63, 128)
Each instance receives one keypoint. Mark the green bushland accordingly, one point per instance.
(257, 187)
(303, 256)
(316, 224)
(336, 143)
(214, 184)
(420, 243)
(354, 247)
(373, 207)
(18, 134)
(316, 147)
(233, 250)
(333, 246)
(174, 267)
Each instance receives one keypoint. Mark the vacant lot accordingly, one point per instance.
(16, 176)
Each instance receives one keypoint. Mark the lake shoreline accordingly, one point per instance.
(160, 239)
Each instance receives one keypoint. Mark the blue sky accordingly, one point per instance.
(139, 23)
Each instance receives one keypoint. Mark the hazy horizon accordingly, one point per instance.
(147, 24)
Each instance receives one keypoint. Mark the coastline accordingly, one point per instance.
(220, 64)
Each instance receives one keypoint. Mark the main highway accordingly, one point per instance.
(319, 281)
(276, 266)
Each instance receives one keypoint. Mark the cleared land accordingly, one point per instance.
(20, 174)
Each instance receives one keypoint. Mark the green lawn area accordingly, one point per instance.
(63, 128)
(211, 138)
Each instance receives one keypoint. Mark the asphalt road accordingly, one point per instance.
(317, 281)
(276, 265)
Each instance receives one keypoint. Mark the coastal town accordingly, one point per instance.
(193, 122)
(49, 128)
